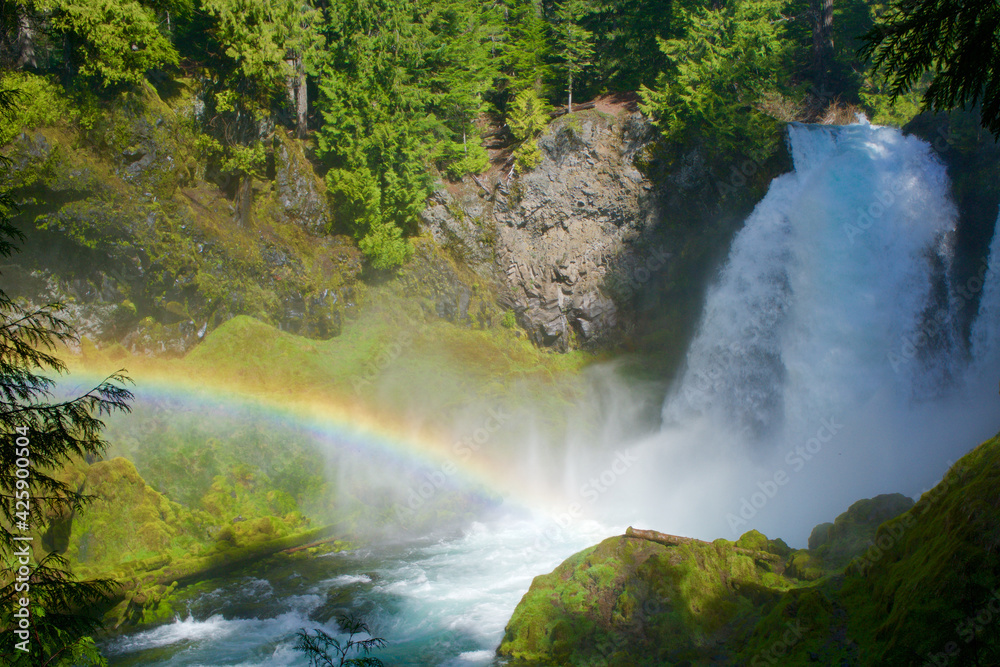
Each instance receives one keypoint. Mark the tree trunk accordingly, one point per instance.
(26, 56)
(244, 200)
(302, 108)
(569, 106)
(298, 94)
(822, 40)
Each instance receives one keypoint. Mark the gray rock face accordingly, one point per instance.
(564, 237)
(301, 194)
(567, 231)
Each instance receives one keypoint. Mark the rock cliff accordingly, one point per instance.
(565, 237)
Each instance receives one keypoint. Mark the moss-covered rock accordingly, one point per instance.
(649, 600)
(854, 531)
(921, 588)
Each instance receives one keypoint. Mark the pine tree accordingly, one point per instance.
(110, 42)
(625, 34)
(378, 133)
(957, 40)
(729, 59)
(527, 117)
(526, 51)
(462, 64)
(574, 43)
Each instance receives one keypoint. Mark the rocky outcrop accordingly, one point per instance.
(568, 237)
(567, 231)
(636, 600)
(300, 193)
(123, 229)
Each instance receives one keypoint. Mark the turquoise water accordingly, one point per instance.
(442, 601)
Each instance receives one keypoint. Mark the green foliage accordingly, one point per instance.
(377, 134)
(625, 35)
(958, 41)
(461, 68)
(527, 118)
(526, 49)
(887, 110)
(385, 246)
(44, 434)
(324, 650)
(114, 42)
(574, 43)
(41, 102)
(729, 60)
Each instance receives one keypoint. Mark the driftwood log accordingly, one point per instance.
(676, 541)
(310, 545)
(661, 538)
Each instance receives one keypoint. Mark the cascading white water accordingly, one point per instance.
(827, 365)
(831, 273)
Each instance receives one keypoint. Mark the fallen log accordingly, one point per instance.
(661, 538)
(310, 545)
(555, 113)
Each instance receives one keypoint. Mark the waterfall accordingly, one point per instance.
(986, 329)
(828, 364)
(829, 292)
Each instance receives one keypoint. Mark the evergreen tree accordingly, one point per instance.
(111, 42)
(729, 60)
(526, 51)
(957, 40)
(528, 116)
(462, 64)
(625, 34)
(377, 135)
(574, 43)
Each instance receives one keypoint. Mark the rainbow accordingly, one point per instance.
(341, 422)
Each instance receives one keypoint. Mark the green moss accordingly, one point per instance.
(854, 530)
(634, 601)
(753, 540)
(925, 590)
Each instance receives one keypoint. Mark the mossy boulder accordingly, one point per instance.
(649, 600)
(921, 588)
(128, 520)
(854, 531)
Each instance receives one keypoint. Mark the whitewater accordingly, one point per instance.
(828, 366)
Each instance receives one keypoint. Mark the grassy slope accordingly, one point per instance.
(212, 489)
